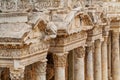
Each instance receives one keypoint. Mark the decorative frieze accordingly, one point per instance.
(18, 5)
(8, 5)
(38, 47)
(69, 39)
(13, 52)
(10, 40)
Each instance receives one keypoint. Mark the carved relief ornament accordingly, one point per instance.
(17, 74)
(40, 68)
(80, 52)
(60, 60)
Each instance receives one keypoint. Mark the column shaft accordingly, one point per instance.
(40, 69)
(79, 63)
(104, 60)
(97, 61)
(115, 56)
(89, 63)
(60, 73)
(60, 64)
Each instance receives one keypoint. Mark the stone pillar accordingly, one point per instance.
(0, 72)
(115, 56)
(40, 69)
(104, 60)
(109, 56)
(60, 64)
(17, 74)
(97, 61)
(71, 62)
(89, 63)
(79, 63)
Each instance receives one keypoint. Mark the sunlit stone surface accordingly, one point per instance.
(59, 39)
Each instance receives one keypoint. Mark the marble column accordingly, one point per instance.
(109, 56)
(17, 74)
(104, 60)
(97, 61)
(40, 69)
(79, 63)
(60, 64)
(71, 62)
(89, 63)
(115, 56)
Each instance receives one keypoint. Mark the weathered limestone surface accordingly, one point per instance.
(79, 64)
(104, 59)
(97, 61)
(30, 29)
(115, 56)
(17, 74)
(40, 69)
(60, 60)
(89, 63)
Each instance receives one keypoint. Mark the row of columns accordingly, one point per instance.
(95, 66)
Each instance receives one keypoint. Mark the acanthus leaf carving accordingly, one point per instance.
(80, 52)
(40, 68)
(60, 60)
(17, 74)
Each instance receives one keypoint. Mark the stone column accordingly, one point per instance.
(109, 56)
(79, 63)
(17, 74)
(89, 63)
(71, 62)
(60, 64)
(104, 60)
(97, 61)
(40, 69)
(115, 56)
(0, 72)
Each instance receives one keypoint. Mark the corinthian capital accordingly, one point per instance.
(60, 59)
(80, 52)
(40, 68)
(17, 74)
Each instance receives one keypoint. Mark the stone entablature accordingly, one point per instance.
(24, 42)
(14, 17)
(67, 43)
(24, 5)
(21, 51)
(112, 7)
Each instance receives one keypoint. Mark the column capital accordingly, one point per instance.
(40, 68)
(98, 43)
(80, 52)
(115, 35)
(17, 74)
(60, 59)
(105, 39)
